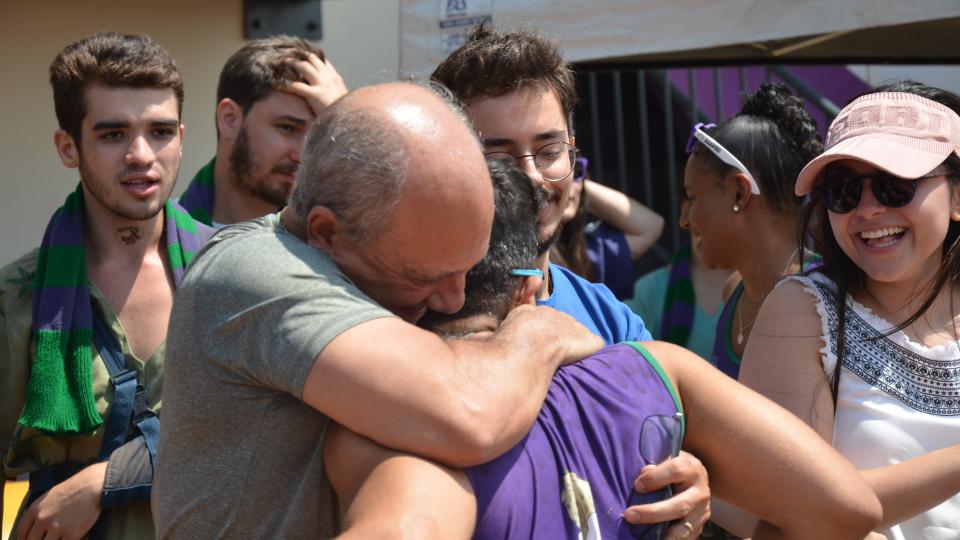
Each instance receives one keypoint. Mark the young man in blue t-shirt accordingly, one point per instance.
(520, 94)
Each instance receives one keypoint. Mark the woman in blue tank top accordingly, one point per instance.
(739, 182)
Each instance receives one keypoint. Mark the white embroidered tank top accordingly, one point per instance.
(897, 399)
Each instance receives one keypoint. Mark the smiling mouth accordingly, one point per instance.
(882, 238)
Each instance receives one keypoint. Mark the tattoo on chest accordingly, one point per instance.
(129, 235)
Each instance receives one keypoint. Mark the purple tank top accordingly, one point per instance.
(724, 358)
(573, 473)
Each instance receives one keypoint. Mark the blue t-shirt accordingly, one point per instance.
(594, 306)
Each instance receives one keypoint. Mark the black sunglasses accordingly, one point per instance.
(841, 188)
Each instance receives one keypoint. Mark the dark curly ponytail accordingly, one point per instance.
(774, 136)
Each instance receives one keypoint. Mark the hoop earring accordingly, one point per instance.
(736, 208)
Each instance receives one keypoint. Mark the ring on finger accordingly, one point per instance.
(689, 526)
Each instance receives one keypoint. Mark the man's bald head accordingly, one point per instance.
(365, 148)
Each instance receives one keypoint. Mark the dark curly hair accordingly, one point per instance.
(774, 136)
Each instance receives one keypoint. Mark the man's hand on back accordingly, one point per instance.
(578, 342)
(690, 504)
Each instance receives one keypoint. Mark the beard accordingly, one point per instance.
(544, 246)
(542, 198)
(242, 165)
(134, 211)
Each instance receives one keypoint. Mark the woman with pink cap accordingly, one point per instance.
(865, 348)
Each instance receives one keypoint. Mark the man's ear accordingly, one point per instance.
(322, 228)
(229, 118)
(526, 292)
(67, 148)
(741, 189)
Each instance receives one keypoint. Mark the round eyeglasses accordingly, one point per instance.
(554, 161)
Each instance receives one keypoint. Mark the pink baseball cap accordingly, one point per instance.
(903, 134)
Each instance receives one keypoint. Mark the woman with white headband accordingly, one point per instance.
(741, 208)
(865, 348)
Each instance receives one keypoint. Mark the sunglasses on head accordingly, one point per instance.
(699, 136)
(841, 188)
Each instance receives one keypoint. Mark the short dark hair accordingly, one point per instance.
(513, 244)
(112, 60)
(494, 63)
(259, 67)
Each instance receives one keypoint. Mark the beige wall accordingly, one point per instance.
(360, 36)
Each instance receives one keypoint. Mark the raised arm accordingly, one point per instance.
(782, 362)
(323, 84)
(765, 460)
(641, 225)
(461, 402)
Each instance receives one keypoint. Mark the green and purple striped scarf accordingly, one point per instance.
(680, 300)
(198, 198)
(60, 397)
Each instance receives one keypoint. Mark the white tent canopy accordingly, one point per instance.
(694, 30)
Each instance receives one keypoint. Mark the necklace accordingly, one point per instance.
(740, 325)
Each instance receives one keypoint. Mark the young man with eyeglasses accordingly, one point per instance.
(605, 417)
(520, 94)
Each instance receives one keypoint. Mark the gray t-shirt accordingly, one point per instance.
(240, 455)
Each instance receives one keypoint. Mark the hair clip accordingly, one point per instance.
(527, 272)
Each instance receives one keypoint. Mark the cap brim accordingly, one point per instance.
(886, 152)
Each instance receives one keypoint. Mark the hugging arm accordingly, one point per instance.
(462, 402)
(764, 460)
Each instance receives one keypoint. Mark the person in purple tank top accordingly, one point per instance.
(628, 406)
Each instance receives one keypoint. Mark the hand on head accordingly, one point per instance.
(321, 84)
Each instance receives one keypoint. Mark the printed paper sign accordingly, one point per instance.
(456, 19)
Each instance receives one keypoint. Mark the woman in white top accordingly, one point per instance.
(884, 211)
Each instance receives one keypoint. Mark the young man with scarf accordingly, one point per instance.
(269, 93)
(83, 319)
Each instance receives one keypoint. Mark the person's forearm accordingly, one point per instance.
(641, 225)
(911, 487)
(460, 403)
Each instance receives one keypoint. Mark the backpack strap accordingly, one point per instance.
(129, 408)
